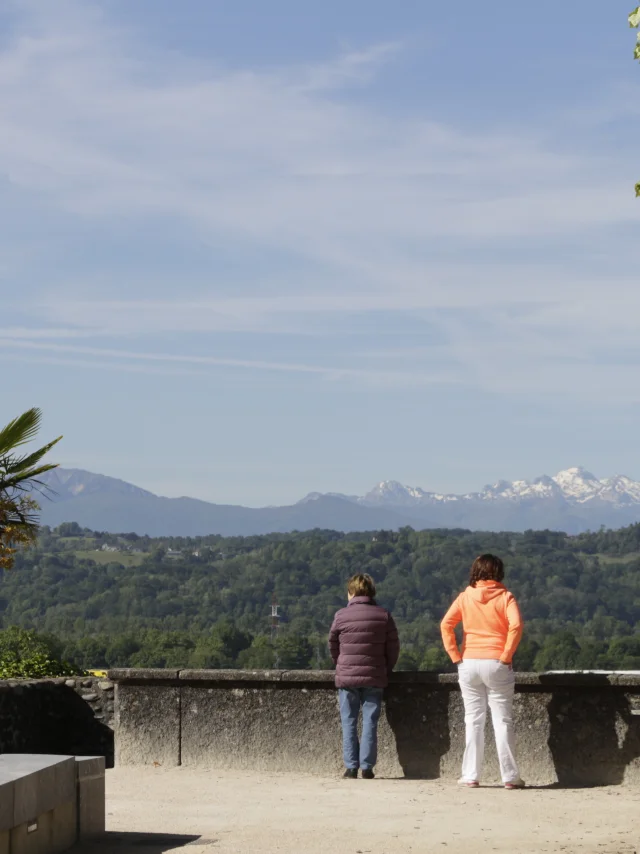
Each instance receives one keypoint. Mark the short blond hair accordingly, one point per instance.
(361, 585)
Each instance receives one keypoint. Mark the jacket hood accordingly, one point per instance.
(485, 591)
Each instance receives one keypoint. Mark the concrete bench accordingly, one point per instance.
(48, 803)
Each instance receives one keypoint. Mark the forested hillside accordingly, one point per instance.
(205, 602)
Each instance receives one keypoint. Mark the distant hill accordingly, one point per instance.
(573, 501)
(106, 504)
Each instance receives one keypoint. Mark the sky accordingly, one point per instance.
(251, 250)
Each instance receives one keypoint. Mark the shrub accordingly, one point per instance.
(27, 655)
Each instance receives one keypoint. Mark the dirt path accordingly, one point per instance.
(243, 813)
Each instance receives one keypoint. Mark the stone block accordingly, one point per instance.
(64, 831)
(6, 803)
(5, 841)
(50, 833)
(142, 674)
(90, 767)
(327, 677)
(414, 733)
(40, 783)
(293, 726)
(231, 675)
(91, 796)
(33, 837)
(260, 728)
(91, 808)
(147, 722)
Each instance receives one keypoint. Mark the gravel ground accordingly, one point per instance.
(155, 810)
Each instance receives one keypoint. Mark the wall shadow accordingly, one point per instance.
(593, 733)
(51, 718)
(141, 843)
(419, 720)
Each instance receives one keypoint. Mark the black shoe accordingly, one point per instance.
(351, 774)
(368, 774)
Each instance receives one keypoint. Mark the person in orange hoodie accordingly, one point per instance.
(492, 628)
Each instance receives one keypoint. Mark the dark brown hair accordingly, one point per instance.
(361, 585)
(486, 568)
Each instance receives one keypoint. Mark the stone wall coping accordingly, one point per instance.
(155, 674)
(541, 680)
(144, 674)
(25, 683)
(49, 680)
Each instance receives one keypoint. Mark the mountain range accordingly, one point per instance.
(574, 500)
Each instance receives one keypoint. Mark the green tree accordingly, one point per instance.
(259, 656)
(624, 653)
(121, 651)
(407, 661)
(19, 474)
(293, 652)
(525, 657)
(436, 659)
(26, 655)
(69, 529)
(561, 651)
(220, 648)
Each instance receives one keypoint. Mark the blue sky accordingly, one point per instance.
(249, 250)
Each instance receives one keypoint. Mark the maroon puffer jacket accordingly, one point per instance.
(364, 644)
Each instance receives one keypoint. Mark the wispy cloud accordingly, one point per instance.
(353, 67)
(127, 358)
(103, 129)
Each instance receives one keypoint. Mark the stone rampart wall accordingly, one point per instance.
(572, 729)
(72, 717)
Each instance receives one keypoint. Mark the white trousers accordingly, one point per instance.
(487, 681)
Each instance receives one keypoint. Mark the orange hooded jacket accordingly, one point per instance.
(491, 623)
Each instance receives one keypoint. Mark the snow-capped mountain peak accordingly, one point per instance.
(393, 492)
(578, 483)
(573, 485)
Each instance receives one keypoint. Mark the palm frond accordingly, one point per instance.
(26, 520)
(24, 480)
(20, 431)
(12, 465)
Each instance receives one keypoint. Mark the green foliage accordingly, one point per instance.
(293, 652)
(20, 472)
(18, 475)
(436, 659)
(211, 607)
(408, 660)
(26, 655)
(634, 23)
(260, 655)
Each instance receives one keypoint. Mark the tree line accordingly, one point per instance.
(101, 600)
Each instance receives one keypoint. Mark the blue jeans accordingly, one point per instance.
(361, 754)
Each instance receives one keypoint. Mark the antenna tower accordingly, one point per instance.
(275, 619)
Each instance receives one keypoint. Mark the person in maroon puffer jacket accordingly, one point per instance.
(364, 646)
